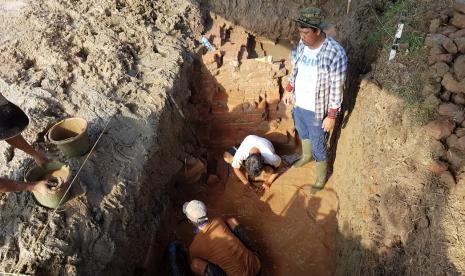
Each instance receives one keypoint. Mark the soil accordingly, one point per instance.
(292, 231)
(137, 64)
(101, 61)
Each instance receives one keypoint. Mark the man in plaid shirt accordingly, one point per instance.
(315, 88)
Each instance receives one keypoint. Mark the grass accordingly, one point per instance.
(415, 43)
(387, 27)
(405, 75)
(375, 37)
(394, 10)
(421, 114)
(414, 85)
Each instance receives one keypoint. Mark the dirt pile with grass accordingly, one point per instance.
(401, 213)
(123, 61)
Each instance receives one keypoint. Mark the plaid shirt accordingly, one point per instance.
(332, 67)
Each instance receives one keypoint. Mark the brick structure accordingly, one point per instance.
(235, 96)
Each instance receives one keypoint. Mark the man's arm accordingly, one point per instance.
(20, 143)
(293, 71)
(7, 185)
(337, 75)
(274, 175)
(241, 176)
(241, 234)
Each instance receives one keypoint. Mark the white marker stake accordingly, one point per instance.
(395, 45)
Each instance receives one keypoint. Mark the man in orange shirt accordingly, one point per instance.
(219, 248)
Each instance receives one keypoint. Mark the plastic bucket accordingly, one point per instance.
(39, 173)
(70, 136)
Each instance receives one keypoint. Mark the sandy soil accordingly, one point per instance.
(99, 61)
(381, 213)
(293, 231)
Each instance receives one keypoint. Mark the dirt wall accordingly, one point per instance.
(101, 61)
(399, 214)
(272, 19)
(392, 206)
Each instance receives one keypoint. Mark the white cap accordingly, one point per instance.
(196, 211)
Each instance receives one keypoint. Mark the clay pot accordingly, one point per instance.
(70, 136)
(53, 170)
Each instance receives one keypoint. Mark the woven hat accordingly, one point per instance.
(311, 18)
(12, 119)
(196, 211)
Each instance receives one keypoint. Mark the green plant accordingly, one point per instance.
(415, 42)
(421, 114)
(409, 93)
(393, 11)
(375, 36)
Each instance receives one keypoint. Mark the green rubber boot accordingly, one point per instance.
(321, 168)
(306, 154)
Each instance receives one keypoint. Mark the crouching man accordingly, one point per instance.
(254, 160)
(219, 248)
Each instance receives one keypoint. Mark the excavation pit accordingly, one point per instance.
(238, 96)
(139, 65)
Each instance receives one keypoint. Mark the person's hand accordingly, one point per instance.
(251, 187)
(266, 185)
(287, 98)
(42, 187)
(328, 124)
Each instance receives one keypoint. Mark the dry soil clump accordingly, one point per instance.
(118, 60)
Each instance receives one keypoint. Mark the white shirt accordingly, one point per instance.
(306, 79)
(265, 147)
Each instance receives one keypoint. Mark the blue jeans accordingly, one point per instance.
(309, 128)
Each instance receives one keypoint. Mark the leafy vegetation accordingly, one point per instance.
(406, 74)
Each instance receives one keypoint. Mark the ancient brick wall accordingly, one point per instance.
(236, 94)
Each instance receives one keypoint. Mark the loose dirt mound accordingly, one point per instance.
(104, 60)
(400, 207)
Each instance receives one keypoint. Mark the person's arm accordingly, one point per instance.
(291, 78)
(337, 75)
(237, 161)
(240, 233)
(20, 143)
(288, 97)
(289, 89)
(7, 185)
(240, 174)
(274, 175)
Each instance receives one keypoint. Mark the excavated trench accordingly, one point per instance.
(237, 90)
(175, 108)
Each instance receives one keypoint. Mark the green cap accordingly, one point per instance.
(311, 18)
